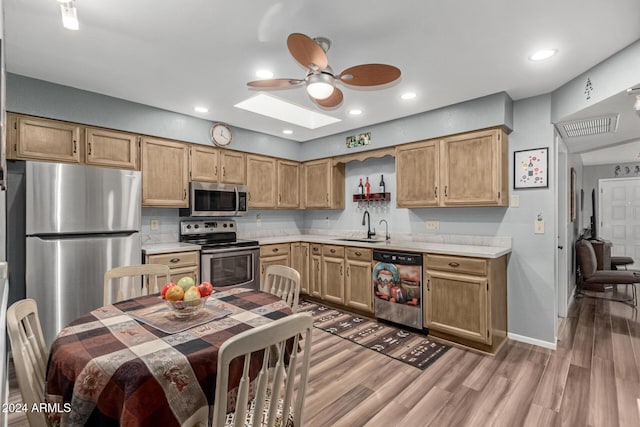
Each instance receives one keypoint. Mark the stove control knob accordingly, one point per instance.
(231, 225)
(196, 226)
(189, 227)
(215, 225)
(224, 225)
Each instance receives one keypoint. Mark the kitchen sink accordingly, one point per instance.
(363, 240)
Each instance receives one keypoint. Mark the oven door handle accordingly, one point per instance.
(229, 250)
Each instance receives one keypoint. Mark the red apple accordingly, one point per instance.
(205, 288)
(165, 288)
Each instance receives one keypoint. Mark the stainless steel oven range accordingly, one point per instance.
(225, 260)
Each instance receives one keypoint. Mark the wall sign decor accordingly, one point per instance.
(588, 88)
(360, 140)
(531, 168)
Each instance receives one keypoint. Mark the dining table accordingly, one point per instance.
(133, 363)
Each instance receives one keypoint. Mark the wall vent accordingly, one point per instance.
(588, 127)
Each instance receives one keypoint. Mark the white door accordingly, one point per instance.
(619, 216)
(562, 224)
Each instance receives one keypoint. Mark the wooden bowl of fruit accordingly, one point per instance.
(185, 298)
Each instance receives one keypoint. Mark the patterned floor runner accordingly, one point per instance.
(410, 347)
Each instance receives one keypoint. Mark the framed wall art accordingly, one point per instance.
(531, 168)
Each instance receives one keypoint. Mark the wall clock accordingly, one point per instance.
(220, 134)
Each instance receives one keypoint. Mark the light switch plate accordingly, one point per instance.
(539, 226)
(515, 201)
(433, 225)
(155, 224)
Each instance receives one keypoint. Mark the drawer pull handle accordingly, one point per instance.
(428, 287)
(358, 253)
(275, 249)
(333, 251)
(174, 260)
(454, 264)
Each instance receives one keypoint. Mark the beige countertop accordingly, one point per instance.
(163, 248)
(397, 245)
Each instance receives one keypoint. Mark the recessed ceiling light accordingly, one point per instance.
(264, 74)
(277, 108)
(201, 109)
(543, 54)
(287, 131)
(408, 95)
(355, 112)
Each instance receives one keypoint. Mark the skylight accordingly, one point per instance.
(276, 108)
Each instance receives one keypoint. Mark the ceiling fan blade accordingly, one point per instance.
(334, 100)
(275, 83)
(307, 52)
(370, 75)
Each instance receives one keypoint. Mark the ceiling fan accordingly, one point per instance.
(320, 80)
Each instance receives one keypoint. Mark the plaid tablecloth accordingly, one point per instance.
(115, 370)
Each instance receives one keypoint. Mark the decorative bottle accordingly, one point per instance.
(367, 188)
(360, 188)
(382, 187)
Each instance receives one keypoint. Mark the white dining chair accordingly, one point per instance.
(30, 356)
(286, 348)
(127, 281)
(283, 282)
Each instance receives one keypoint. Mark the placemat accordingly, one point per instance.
(162, 318)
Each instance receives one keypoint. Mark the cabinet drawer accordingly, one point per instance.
(278, 249)
(175, 259)
(333, 251)
(465, 265)
(360, 254)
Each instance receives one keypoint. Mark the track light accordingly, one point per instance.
(69, 15)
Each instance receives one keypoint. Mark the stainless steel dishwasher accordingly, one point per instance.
(397, 286)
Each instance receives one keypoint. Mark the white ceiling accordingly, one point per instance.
(178, 54)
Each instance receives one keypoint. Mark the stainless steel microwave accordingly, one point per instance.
(209, 199)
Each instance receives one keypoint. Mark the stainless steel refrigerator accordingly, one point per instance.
(80, 222)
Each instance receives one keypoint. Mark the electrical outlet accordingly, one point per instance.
(326, 222)
(539, 226)
(515, 201)
(155, 224)
(433, 225)
(258, 222)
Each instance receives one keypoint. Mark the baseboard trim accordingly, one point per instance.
(529, 340)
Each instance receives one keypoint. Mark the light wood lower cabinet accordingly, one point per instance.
(277, 254)
(180, 264)
(300, 262)
(465, 299)
(333, 274)
(315, 270)
(358, 284)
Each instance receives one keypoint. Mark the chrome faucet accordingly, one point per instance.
(386, 229)
(366, 219)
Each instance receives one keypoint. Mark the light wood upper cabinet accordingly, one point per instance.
(165, 173)
(288, 179)
(204, 163)
(233, 167)
(110, 148)
(462, 170)
(43, 139)
(474, 169)
(261, 180)
(324, 185)
(417, 174)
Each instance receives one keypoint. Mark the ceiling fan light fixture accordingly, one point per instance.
(320, 85)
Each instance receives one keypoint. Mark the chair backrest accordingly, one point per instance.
(586, 258)
(284, 282)
(279, 341)
(154, 276)
(29, 355)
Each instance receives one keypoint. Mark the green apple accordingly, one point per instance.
(186, 282)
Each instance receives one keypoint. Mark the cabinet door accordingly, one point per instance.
(113, 149)
(417, 174)
(359, 285)
(203, 163)
(165, 166)
(300, 262)
(288, 180)
(261, 180)
(333, 279)
(471, 166)
(232, 164)
(457, 304)
(318, 184)
(282, 259)
(315, 270)
(43, 139)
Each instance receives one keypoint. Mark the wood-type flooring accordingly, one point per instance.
(592, 379)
